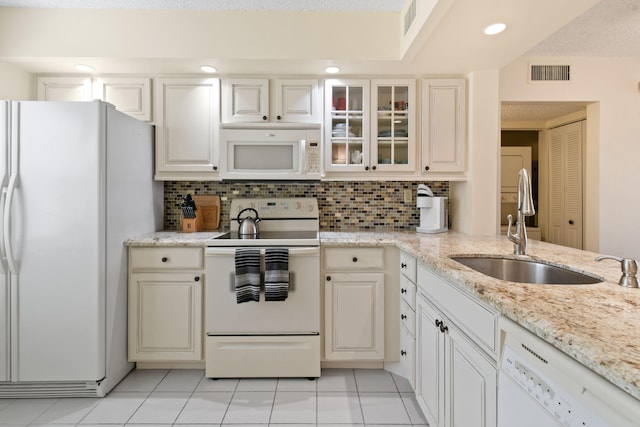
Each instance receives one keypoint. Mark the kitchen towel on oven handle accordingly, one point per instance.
(276, 274)
(247, 277)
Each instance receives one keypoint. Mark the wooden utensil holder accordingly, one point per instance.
(190, 225)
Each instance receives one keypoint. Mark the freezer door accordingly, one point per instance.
(57, 235)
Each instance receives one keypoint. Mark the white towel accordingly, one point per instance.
(247, 279)
(276, 274)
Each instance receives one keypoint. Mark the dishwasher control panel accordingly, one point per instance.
(557, 401)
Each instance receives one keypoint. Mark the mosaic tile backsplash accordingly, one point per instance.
(343, 205)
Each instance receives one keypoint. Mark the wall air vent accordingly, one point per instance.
(410, 16)
(550, 73)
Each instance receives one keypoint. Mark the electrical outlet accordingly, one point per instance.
(408, 196)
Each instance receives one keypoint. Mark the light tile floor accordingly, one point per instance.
(185, 398)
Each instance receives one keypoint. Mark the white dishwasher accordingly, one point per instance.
(539, 386)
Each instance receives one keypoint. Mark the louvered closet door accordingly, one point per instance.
(566, 198)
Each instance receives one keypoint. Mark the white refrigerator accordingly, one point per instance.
(77, 180)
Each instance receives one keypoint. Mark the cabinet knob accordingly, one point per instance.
(570, 222)
(215, 168)
(164, 259)
(366, 168)
(403, 316)
(438, 323)
(426, 168)
(403, 353)
(374, 167)
(403, 291)
(264, 118)
(403, 265)
(328, 278)
(354, 259)
(196, 279)
(279, 117)
(443, 328)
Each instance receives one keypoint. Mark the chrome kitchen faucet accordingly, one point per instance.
(525, 208)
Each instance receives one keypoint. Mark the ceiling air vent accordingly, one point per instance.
(410, 16)
(550, 73)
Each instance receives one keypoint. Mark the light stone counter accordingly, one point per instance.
(598, 325)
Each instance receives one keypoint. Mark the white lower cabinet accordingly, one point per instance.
(165, 304)
(456, 381)
(354, 316)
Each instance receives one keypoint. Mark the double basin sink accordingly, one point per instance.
(525, 271)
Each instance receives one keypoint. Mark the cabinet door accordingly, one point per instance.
(430, 363)
(165, 317)
(393, 138)
(130, 95)
(354, 316)
(245, 100)
(296, 101)
(187, 128)
(407, 355)
(347, 125)
(471, 385)
(444, 126)
(64, 89)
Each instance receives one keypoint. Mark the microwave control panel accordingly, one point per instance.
(313, 156)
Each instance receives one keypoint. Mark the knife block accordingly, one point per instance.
(190, 225)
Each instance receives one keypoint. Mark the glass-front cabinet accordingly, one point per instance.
(393, 138)
(347, 125)
(370, 126)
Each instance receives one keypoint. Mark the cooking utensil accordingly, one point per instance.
(248, 226)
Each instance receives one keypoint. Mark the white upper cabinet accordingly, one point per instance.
(64, 89)
(187, 128)
(393, 129)
(131, 95)
(262, 101)
(443, 127)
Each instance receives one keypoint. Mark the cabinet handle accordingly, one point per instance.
(366, 168)
(426, 168)
(438, 323)
(403, 291)
(443, 328)
(164, 259)
(264, 117)
(374, 167)
(403, 265)
(279, 117)
(403, 316)
(328, 278)
(196, 279)
(354, 259)
(403, 353)
(215, 168)
(571, 222)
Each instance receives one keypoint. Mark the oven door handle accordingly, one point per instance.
(293, 251)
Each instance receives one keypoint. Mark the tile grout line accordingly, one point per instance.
(187, 401)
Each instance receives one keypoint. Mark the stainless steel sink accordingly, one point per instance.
(526, 271)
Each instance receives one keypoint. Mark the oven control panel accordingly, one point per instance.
(277, 208)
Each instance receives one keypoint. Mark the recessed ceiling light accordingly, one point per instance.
(84, 68)
(496, 28)
(332, 69)
(208, 69)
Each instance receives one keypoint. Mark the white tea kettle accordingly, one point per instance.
(248, 226)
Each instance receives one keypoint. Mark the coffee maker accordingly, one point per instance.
(433, 211)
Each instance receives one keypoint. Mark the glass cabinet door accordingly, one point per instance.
(393, 125)
(347, 125)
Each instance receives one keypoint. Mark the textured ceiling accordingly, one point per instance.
(610, 28)
(255, 5)
(538, 112)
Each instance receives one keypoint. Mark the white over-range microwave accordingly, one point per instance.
(270, 154)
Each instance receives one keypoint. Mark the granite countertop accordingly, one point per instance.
(598, 325)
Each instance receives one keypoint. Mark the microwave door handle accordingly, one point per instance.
(303, 155)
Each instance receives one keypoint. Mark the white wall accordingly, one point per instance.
(15, 84)
(474, 203)
(613, 141)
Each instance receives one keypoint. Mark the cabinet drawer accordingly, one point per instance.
(474, 319)
(408, 266)
(408, 317)
(354, 258)
(408, 292)
(407, 354)
(165, 258)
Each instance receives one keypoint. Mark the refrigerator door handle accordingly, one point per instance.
(7, 224)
